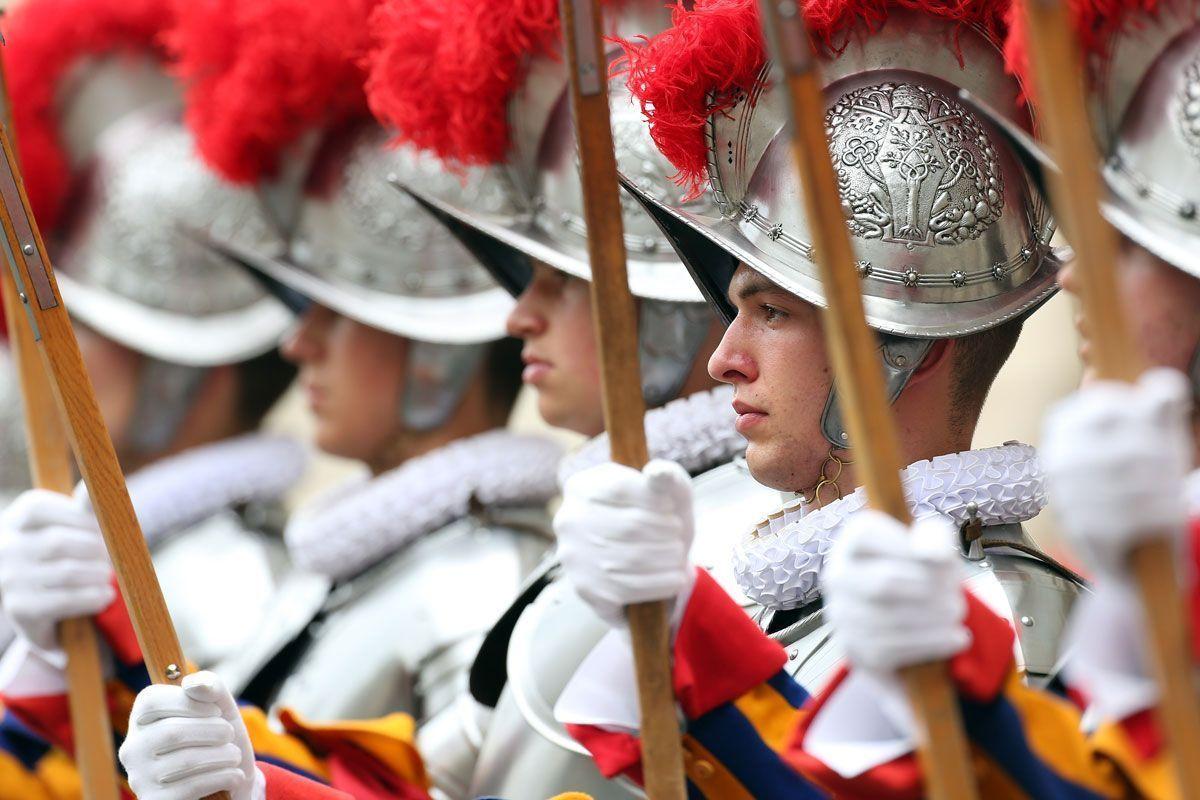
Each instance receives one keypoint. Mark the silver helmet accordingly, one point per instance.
(951, 235)
(531, 208)
(377, 257)
(128, 271)
(541, 213)
(1146, 100)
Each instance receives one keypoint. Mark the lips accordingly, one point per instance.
(536, 369)
(748, 416)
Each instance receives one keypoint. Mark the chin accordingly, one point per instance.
(776, 467)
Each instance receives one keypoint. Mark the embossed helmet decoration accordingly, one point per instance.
(494, 103)
(110, 172)
(951, 236)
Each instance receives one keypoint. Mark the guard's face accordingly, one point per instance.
(773, 354)
(114, 369)
(352, 376)
(1162, 303)
(553, 317)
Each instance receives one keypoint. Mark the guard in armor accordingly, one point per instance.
(1120, 464)
(541, 258)
(402, 351)
(953, 242)
(180, 344)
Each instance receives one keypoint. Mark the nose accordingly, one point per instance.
(306, 341)
(526, 319)
(731, 362)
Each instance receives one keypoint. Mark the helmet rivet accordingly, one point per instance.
(864, 268)
(750, 213)
(911, 277)
(775, 232)
(1027, 621)
(958, 278)
(901, 361)
(1026, 254)
(393, 179)
(1188, 210)
(998, 270)
(649, 244)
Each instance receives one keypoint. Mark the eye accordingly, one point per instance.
(772, 313)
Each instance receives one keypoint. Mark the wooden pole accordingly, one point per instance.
(43, 311)
(944, 755)
(624, 407)
(1058, 72)
(50, 467)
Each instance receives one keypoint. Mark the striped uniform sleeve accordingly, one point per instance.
(33, 769)
(351, 756)
(740, 707)
(1027, 743)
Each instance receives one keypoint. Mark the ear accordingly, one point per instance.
(939, 357)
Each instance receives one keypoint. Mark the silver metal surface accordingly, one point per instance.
(366, 661)
(1029, 588)
(374, 255)
(216, 619)
(950, 234)
(1147, 103)
(526, 752)
(126, 271)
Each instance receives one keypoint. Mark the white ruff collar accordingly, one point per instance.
(357, 524)
(185, 489)
(695, 431)
(780, 566)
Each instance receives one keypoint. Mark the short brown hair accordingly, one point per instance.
(977, 361)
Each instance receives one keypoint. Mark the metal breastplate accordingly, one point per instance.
(1033, 592)
(219, 577)
(400, 636)
(526, 753)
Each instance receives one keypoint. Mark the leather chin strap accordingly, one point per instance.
(901, 358)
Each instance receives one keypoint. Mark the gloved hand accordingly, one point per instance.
(1116, 457)
(187, 742)
(894, 597)
(53, 566)
(624, 536)
(1109, 655)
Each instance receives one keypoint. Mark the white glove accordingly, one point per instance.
(894, 597)
(1116, 457)
(187, 742)
(624, 536)
(893, 594)
(1109, 657)
(53, 566)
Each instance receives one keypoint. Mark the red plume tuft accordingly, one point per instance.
(715, 50)
(46, 39)
(442, 71)
(259, 74)
(1095, 23)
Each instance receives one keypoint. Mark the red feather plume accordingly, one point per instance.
(715, 50)
(45, 40)
(441, 72)
(259, 74)
(1095, 23)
